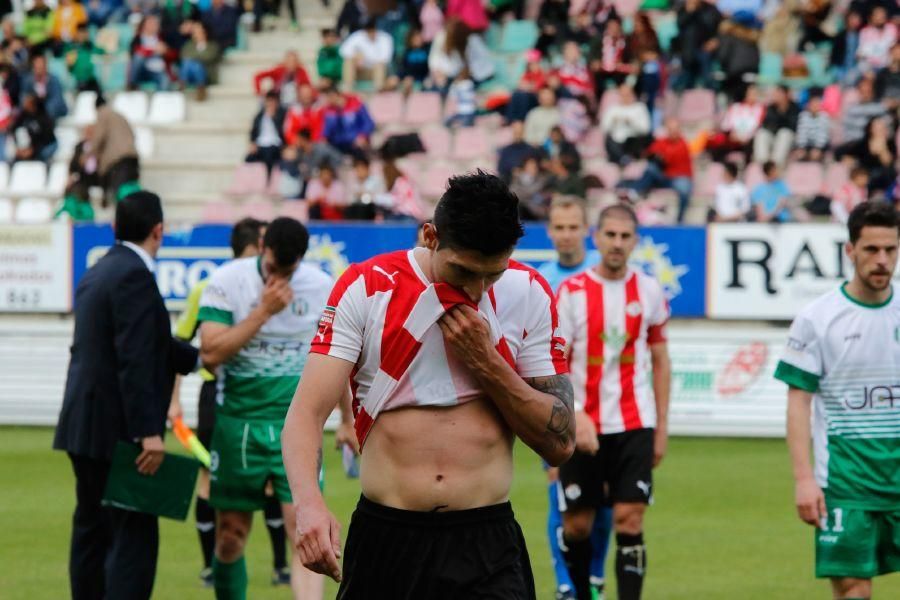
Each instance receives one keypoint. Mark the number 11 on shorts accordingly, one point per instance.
(838, 521)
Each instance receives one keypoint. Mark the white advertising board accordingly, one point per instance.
(36, 268)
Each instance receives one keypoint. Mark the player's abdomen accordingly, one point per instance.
(447, 458)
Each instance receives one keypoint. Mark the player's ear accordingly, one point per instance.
(848, 249)
(429, 235)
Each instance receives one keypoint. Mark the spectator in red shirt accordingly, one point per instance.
(284, 76)
(669, 167)
(524, 98)
(305, 114)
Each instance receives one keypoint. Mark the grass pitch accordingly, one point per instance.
(723, 526)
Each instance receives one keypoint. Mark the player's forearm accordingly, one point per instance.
(798, 433)
(301, 449)
(218, 347)
(345, 407)
(540, 411)
(662, 384)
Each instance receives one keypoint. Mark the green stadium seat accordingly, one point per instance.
(58, 67)
(492, 37)
(770, 65)
(666, 31)
(112, 72)
(518, 36)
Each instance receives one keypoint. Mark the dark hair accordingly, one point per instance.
(620, 210)
(814, 92)
(769, 167)
(288, 239)
(245, 233)
(858, 170)
(478, 212)
(305, 133)
(359, 159)
(370, 23)
(731, 169)
(273, 95)
(328, 31)
(136, 216)
(871, 214)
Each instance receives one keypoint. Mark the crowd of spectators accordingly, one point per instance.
(795, 81)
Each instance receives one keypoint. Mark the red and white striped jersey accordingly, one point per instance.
(382, 316)
(609, 326)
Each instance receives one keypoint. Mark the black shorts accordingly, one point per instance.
(206, 412)
(476, 554)
(621, 471)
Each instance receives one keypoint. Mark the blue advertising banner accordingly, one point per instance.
(676, 256)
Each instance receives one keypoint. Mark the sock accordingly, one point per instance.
(230, 579)
(275, 525)
(555, 535)
(578, 560)
(600, 545)
(205, 517)
(631, 564)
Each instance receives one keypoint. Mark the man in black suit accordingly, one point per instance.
(122, 367)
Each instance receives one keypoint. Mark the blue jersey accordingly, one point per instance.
(555, 273)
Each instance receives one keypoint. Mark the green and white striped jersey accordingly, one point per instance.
(259, 381)
(847, 354)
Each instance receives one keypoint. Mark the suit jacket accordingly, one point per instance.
(278, 119)
(123, 359)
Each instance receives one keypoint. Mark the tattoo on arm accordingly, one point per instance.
(561, 415)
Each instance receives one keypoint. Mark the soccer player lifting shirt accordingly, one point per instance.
(452, 352)
(842, 359)
(613, 318)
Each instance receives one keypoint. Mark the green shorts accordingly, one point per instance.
(858, 543)
(244, 456)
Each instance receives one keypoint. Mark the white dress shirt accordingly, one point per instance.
(142, 254)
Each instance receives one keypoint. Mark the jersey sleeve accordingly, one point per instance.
(216, 305)
(343, 321)
(658, 317)
(186, 326)
(801, 364)
(543, 350)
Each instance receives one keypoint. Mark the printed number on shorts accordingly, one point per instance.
(838, 521)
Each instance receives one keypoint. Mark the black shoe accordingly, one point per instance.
(566, 594)
(206, 576)
(281, 576)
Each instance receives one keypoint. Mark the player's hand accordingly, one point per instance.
(586, 440)
(468, 334)
(810, 502)
(660, 445)
(345, 434)
(175, 410)
(149, 460)
(318, 539)
(276, 295)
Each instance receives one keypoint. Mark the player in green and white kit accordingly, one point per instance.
(258, 316)
(843, 358)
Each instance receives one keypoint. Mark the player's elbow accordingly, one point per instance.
(210, 358)
(560, 451)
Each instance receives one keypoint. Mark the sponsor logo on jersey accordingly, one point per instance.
(213, 461)
(325, 323)
(633, 309)
(852, 337)
(795, 344)
(876, 397)
(573, 491)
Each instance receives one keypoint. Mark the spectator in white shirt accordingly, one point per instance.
(626, 126)
(875, 41)
(732, 200)
(455, 47)
(367, 54)
(541, 119)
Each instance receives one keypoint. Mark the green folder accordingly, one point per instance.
(168, 493)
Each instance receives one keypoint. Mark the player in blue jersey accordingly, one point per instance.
(568, 230)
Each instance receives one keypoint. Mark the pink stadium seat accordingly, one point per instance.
(273, 187)
(592, 145)
(248, 179)
(436, 140)
(849, 97)
(627, 8)
(386, 107)
(449, 107)
(258, 209)
(710, 178)
(608, 173)
(804, 178)
(296, 209)
(502, 137)
(470, 143)
(423, 108)
(837, 175)
(634, 169)
(697, 106)
(754, 176)
(217, 211)
(434, 181)
(609, 99)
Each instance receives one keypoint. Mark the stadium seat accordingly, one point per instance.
(85, 109)
(7, 210)
(804, 178)
(836, 175)
(167, 108)
(295, 209)
(518, 36)
(754, 176)
(434, 180)
(436, 140)
(606, 172)
(386, 107)
(634, 169)
(28, 177)
(592, 145)
(258, 209)
(770, 68)
(66, 138)
(217, 211)
(627, 8)
(710, 178)
(470, 143)
(248, 179)
(112, 72)
(274, 186)
(57, 179)
(132, 105)
(697, 106)
(609, 99)
(666, 31)
(58, 68)
(493, 34)
(502, 137)
(423, 108)
(33, 210)
(144, 141)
